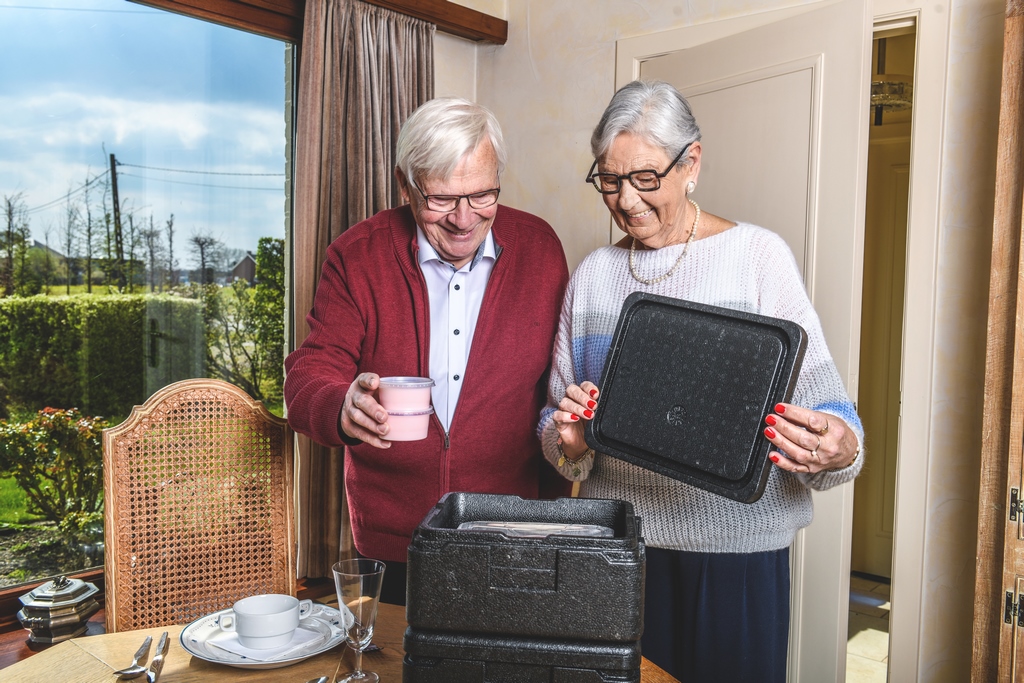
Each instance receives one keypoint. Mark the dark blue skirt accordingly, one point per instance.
(716, 616)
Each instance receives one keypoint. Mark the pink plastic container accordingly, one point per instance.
(405, 393)
(408, 425)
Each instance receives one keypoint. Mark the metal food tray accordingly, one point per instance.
(686, 387)
(538, 529)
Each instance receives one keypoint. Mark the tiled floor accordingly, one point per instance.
(867, 650)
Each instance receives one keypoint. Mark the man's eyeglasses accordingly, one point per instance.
(646, 180)
(446, 203)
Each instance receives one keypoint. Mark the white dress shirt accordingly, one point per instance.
(455, 298)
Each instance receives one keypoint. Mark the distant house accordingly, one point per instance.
(53, 252)
(245, 269)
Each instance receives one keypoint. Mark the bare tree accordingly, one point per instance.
(108, 227)
(205, 249)
(154, 253)
(12, 244)
(88, 230)
(69, 236)
(131, 242)
(47, 265)
(172, 263)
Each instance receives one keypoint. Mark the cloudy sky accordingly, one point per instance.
(193, 112)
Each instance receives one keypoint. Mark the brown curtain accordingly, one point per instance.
(363, 70)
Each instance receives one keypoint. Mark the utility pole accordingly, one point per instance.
(118, 269)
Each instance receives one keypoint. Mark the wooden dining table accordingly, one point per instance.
(93, 659)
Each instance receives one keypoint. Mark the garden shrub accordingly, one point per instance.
(57, 460)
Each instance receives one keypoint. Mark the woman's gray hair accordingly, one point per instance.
(441, 132)
(654, 111)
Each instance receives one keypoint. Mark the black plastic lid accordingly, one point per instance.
(686, 388)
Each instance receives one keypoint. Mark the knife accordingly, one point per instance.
(157, 665)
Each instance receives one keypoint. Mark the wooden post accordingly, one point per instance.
(1004, 384)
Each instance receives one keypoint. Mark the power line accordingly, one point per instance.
(67, 195)
(182, 182)
(182, 170)
(84, 186)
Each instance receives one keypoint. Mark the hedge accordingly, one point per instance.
(101, 354)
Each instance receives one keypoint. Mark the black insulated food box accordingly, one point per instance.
(686, 387)
(559, 586)
(448, 657)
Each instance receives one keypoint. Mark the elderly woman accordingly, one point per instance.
(717, 588)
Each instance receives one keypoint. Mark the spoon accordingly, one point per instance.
(135, 669)
(322, 679)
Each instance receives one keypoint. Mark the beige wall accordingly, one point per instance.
(548, 86)
(454, 67)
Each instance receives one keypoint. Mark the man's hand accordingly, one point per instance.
(361, 416)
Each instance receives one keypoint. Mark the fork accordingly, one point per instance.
(137, 667)
(157, 665)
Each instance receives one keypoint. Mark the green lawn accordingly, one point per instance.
(13, 503)
(61, 290)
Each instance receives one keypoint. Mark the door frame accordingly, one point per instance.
(909, 583)
(915, 433)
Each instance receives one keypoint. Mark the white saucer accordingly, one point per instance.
(324, 621)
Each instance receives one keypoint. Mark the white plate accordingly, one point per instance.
(323, 620)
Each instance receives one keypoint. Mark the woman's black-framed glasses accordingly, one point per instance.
(645, 180)
(446, 203)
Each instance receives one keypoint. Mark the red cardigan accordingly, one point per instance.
(371, 314)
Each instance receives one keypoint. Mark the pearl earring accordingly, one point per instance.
(690, 187)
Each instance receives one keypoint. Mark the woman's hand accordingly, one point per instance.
(809, 441)
(576, 406)
(361, 416)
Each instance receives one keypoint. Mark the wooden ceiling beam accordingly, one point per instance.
(452, 18)
(282, 19)
(279, 19)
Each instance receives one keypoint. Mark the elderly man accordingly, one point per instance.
(451, 286)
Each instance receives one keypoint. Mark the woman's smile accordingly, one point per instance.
(656, 218)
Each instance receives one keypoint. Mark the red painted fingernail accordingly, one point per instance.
(769, 432)
(774, 458)
(591, 404)
(593, 393)
(780, 409)
(771, 420)
(574, 417)
(588, 413)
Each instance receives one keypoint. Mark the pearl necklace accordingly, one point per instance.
(686, 248)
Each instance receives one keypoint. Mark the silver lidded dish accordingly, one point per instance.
(58, 609)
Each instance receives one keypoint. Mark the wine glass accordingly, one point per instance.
(358, 582)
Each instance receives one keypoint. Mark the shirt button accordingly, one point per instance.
(456, 378)
(456, 331)
(457, 287)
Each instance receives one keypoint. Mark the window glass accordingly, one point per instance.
(143, 186)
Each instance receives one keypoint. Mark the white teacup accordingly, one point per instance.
(265, 621)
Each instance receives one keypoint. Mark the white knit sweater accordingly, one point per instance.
(745, 268)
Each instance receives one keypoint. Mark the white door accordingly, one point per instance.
(781, 100)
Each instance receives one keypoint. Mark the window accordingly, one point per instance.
(143, 179)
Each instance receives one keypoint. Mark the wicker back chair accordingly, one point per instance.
(198, 505)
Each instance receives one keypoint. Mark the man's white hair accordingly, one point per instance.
(441, 132)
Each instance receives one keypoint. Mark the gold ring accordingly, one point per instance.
(824, 431)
